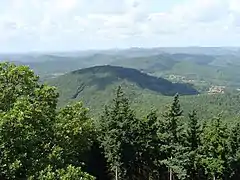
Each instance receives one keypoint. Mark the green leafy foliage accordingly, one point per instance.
(27, 115)
(28, 139)
(15, 81)
(75, 133)
(70, 172)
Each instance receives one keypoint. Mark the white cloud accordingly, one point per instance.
(66, 24)
(65, 5)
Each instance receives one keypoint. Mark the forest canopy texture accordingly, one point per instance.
(38, 140)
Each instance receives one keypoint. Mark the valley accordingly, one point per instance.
(197, 66)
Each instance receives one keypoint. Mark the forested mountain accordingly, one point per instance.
(89, 82)
(39, 140)
(95, 86)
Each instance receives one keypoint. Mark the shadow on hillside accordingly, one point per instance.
(144, 81)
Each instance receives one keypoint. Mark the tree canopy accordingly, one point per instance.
(39, 140)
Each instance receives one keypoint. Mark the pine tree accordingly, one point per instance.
(130, 144)
(214, 149)
(234, 152)
(149, 142)
(116, 134)
(193, 144)
(171, 133)
(172, 116)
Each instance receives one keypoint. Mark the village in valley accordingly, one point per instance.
(212, 89)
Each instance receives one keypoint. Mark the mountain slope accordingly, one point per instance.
(88, 82)
(96, 87)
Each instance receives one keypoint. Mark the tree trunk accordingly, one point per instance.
(170, 174)
(116, 175)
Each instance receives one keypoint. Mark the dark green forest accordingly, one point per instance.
(40, 140)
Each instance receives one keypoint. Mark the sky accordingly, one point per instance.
(66, 25)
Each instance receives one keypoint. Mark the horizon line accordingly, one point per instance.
(110, 49)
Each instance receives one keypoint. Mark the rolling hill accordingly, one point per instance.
(96, 86)
(85, 83)
(204, 67)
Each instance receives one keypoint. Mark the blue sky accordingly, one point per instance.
(56, 25)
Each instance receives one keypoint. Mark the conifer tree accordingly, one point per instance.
(171, 132)
(193, 144)
(149, 143)
(214, 149)
(234, 152)
(116, 135)
(130, 144)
